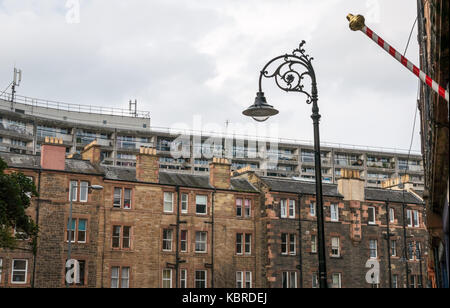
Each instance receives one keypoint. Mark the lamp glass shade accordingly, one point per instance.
(260, 110)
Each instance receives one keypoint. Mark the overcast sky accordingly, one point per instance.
(187, 59)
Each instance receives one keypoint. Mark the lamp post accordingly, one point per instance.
(289, 74)
(72, 186)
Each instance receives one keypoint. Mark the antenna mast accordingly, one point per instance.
(17, 78)
(133, 106)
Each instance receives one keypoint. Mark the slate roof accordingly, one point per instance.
(300, 187)
(14, 160)
(172, 178)
(379, 194)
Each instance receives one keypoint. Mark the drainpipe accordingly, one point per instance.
(38, 201)
(300, 266)
(177, 236)
(388, 240)
(405, 248)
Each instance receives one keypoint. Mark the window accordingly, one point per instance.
(291, 208)
(168, 202)
(288, 244)
(183, 240)
(200, 241)
(239, 207)
(313, 243)
(393, 248)
(292, 244)
(283, 209)
(117, 197)
(391, 215)
(334, 212)
(335, 247)
(312, 209)
(121, 237)
(200, 204)
(239, 243)
(127, 198)
(200, 279)
(83, 189)
(284, 244)
(289, 279)
(183, 278)
(412, 281)
(73, 190)
(243, 246)
(184, 203)
(1, 268)
(243, 279)
(395, 281)
(336, 280)
(371, 212)
(167, 278)
(78, 231)
(82, 269)
(167, 239)
(248, 208)
(315, 280)
(373, 249)
(416, 218)
(120, 277)
(409, 218)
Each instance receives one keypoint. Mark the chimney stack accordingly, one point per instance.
(351, 186)
(147, 165)
(53, 154)
(92, 152)
(220, 173)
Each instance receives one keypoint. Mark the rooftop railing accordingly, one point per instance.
(43, 103)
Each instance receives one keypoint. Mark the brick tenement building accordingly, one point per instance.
(355, 232)
(126, 234)
(231, 231)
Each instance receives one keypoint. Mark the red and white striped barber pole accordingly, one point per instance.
(357, 23)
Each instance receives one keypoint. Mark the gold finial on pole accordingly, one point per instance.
(356, 22)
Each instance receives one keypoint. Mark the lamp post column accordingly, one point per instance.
(318, 175)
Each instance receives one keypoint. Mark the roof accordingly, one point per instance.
(379, 194)
(172, 178)
(27, 161)
(300, 187)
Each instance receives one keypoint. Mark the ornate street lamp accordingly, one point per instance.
(289, 74)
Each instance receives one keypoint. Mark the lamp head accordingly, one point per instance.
(260, 111)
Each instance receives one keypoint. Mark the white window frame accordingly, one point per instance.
(315, 280)
(247, 206)
(13, 271)
(239, 280)
(1, 269)
(291, 210)
(120, 197)
(391, 215)
(115, 278)
(334, 247)
(393, 246)
(239, 205)
(168, 203)
(283, 208)
(84, 186)
(371, 248)
(167, 279)
(78, 230)
(285, 244)
(415, 219)
(313, 243)
(312, 209)
(395, 281)
(288, 276)
(294, 242)
(409, 218)
(124, 278)
(183, 280)
(247, 244)
(339, 280)
(184, 203)
(73, 189)
(201, 280)
(201, 241)
(334, 212)
(369, 209)
(186, 240)
(168, 240)
(206, 204)
(248, 279)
